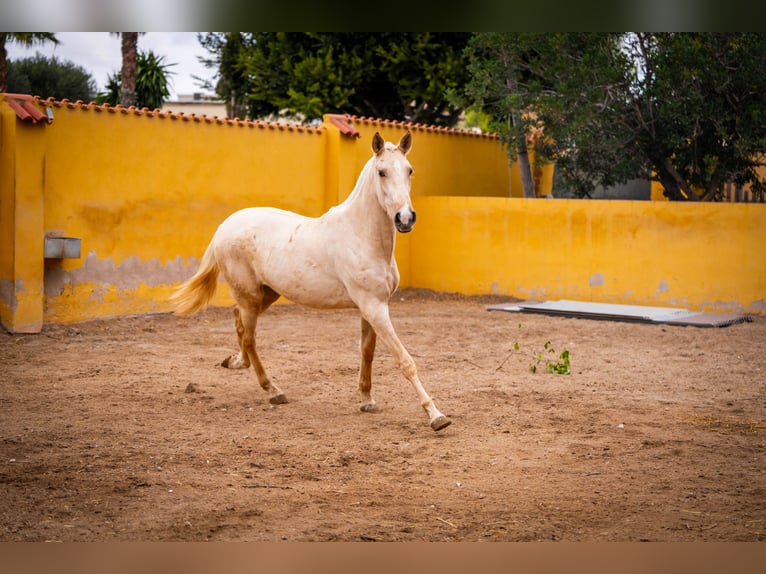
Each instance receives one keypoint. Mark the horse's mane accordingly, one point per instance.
(360, 183)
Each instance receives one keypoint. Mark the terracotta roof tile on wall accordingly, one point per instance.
(422, 127)
(343, 123)
(26, 108)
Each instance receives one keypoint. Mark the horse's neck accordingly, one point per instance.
(362, 181)
(366, 214)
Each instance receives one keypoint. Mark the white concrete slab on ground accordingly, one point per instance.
(619, 312)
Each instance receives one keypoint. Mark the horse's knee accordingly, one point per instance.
(408, 368)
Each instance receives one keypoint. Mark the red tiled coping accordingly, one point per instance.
(25, 108)
(343, 123)
(101, 108)
(423, 127)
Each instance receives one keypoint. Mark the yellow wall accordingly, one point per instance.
(21, 219)
(698, 256)
(145, 191)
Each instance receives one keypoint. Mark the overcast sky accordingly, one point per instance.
(100, 54)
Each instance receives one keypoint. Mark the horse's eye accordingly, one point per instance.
(381, 173)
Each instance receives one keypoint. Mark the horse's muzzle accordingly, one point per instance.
(404, 224)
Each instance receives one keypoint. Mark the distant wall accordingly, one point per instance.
(144, 192)
(703, 256)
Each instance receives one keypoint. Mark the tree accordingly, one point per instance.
(129, 71)
(684, 109)
(225, 49)
(25, 38)
(49, 77)
(152, 80)
(699, 111)
(538, 89)
(152, 83)
(391, 75)
(497, 85)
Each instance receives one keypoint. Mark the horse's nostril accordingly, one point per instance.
(408, 221)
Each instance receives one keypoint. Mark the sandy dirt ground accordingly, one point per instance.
(128, 429)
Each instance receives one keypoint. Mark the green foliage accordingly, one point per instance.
(225, 49)
(685, 109)
(28, 38)
(152, 83)
(24, 38)
(558, 365)
(391, 75)
(152, 80)
(476, 118)
(50, 77)
(707, 95)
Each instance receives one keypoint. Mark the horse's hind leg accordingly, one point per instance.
(238, 360)
(246, 319)
(365, 372)
(241, 360)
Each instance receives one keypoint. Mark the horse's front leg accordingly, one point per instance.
(376, 313)
(365, 371)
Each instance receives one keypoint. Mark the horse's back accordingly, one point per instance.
(255, 227)
(282, 249)
(259, 217)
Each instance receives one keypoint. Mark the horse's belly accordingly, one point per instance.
(300, 275)
(315, 291)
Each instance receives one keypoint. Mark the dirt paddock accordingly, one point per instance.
(128, 429)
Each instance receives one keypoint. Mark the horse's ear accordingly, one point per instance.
(378, 143)
(405, 144)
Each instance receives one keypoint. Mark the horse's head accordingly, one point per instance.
(393, 173)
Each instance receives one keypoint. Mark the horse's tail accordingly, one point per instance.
(195, 293)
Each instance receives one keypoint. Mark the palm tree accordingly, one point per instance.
(129, 68)
(152, 83)
(152, 80)
(25, 38)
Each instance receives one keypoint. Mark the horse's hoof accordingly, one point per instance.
(234, 362)
(278, 400)
(369, 408)
(440, 423)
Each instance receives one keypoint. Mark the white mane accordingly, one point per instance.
(363, 176)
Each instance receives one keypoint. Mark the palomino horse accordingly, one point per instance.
(344, 258)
